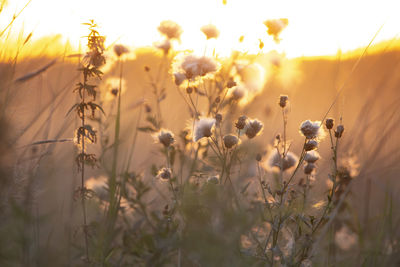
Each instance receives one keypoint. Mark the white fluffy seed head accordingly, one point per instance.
(203, 128)
(119, 50)
(312, 129)
(253, 128)
(210, 31)
(312, 156)
(194, 66)
(275, 160)
(170, 29)
(164, 137)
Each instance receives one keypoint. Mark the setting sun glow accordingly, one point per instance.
(315, 27)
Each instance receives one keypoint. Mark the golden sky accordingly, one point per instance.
(316, 27)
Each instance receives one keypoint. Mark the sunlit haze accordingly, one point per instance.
(315, 27)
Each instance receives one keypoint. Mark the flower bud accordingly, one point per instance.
(339, 131)
(329, 123)
(310, 145)
(241, 122)
(283, 100)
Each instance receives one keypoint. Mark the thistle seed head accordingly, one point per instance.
(230, 140)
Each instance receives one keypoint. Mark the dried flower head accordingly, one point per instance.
(339, 131)
(231, 83)
(165, 46)
(165, 137)
(312, 129)
(309, 168)
(194, 66)
(283, 100)
(275, 160)
(241, 122)
(210, 31)
(170, 29)
(329, 123)
(310, 145)
(179, 78)
(312, 156)
(238, 92)
(253, 128)
(230, 140)
(213, 179)
(119, 50)
(164, 174)
(203, 128)
(218, 118)
(275, 27)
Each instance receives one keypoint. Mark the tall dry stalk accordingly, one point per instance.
(85, 133)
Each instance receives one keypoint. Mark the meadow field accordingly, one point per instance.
(112, 155)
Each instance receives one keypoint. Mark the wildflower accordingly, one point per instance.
(258, 157)
(309, 168)
(210, 31)
(203, 128)
(275, 160)
(310, 145)
(164, 46)
(283, 100)
(275, 27)
(164, 174)
(311, 129)
(241, 122)
(179, 78)
(194, 66)
(230, 140)
(253, 128)
(170, 29)
(339, 131)
(312, 156)
(119, 50)
(329, 123)
(165, 137)
(213, 179)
